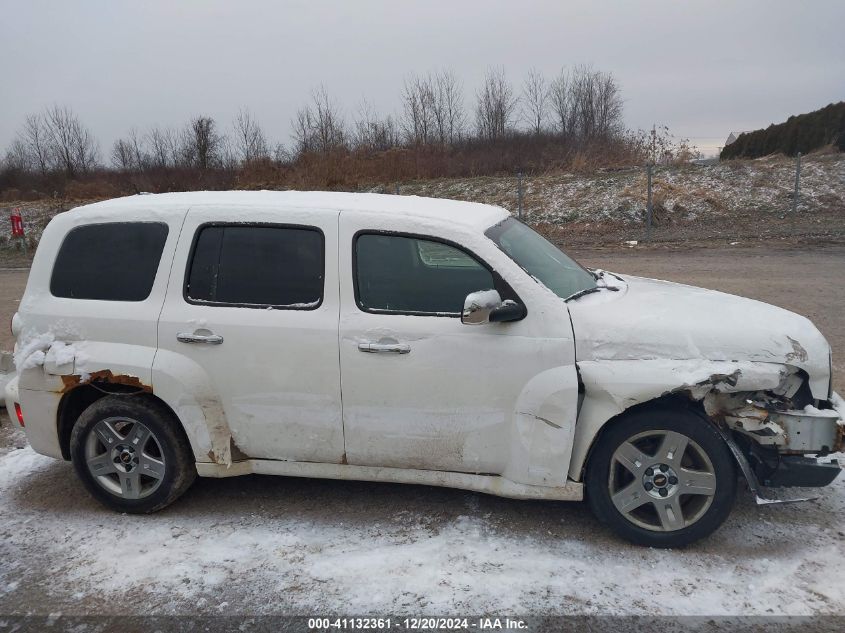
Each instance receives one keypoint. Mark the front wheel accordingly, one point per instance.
(131, 454)
(661, 478)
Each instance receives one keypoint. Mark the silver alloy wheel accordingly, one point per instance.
(125, 457)
(661, 480)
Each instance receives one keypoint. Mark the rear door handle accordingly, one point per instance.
(192, 337)
(385, 348)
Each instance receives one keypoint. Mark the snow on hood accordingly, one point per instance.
(652, 319)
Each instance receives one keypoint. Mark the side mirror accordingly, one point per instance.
(486, 306)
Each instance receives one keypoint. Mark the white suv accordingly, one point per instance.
(402, 339)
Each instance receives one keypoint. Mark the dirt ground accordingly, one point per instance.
(265, 545)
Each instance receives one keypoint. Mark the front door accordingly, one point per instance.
(422, 390)
(253, 322)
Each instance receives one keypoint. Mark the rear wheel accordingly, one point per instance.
(661, 478)
(131, 455)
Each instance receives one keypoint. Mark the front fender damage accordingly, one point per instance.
(749, 397)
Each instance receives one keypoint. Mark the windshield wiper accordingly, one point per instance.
(587, 291)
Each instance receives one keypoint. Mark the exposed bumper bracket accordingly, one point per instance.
(750, 477)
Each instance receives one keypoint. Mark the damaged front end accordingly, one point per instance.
(780, 434)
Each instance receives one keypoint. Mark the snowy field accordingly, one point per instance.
(761, 187)
(262, 545)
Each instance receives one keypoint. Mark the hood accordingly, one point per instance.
(651, 319)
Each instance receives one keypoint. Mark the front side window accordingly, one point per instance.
(116, 261)
(257, 266)
(410, 275)
(541, 259)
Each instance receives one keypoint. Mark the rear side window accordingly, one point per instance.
(257, 266)
(410, 275)
(109, 262)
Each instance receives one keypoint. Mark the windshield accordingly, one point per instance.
(541, 259)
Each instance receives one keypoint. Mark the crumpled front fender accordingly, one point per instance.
(613, 386)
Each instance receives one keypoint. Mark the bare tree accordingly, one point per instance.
(18, 156)
(129, 153)
(139, 153)
(608, 105)
(560, 96)
(71, 143)
(121, 155)
(319, 127)
(418, 98)
(164, 151)
(587, 103)
(535, 97)
(372, 132)
(250, 143)
(496, 106)
(302, 125)
(201, 145)
(34, 140)
(448, 107)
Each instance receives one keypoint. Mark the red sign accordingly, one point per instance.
(17, 223)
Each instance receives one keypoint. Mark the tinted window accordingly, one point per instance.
(112, 262)
(406, 274)
(257, 265)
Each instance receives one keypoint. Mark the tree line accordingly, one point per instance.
(802, 133)
(539, 123)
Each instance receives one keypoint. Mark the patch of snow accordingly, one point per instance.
(35, 349)
(237, 549)
(31, 349)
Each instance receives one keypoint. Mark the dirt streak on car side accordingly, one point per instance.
(470, 353)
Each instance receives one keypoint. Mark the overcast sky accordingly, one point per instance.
(702, 68)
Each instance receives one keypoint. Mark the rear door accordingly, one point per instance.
(253, 307)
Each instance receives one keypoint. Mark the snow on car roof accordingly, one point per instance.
(453, 211)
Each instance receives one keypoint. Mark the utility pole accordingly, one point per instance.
(519, 194)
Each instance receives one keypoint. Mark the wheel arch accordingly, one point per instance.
(667, 402)
(78, 399)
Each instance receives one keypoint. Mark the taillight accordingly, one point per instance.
(19, 413)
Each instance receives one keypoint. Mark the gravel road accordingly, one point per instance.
(262, 545)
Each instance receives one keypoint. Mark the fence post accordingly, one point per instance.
(519, 194)
(797, 183)
(649, 206)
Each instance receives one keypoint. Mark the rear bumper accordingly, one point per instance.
(10, 394)
(40, 410)
(7, 375)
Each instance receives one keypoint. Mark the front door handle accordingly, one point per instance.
(193, 337)
(385, 348)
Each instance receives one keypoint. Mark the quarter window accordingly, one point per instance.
(109, 262)
(403, 274)
(257, 266)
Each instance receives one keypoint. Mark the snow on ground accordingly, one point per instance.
(689, 192)
(262, 545)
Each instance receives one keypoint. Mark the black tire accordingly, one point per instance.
(599, 482)
(170, 446)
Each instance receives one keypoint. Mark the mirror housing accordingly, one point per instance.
(486, 306)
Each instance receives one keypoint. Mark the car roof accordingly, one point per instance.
(471, 214)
